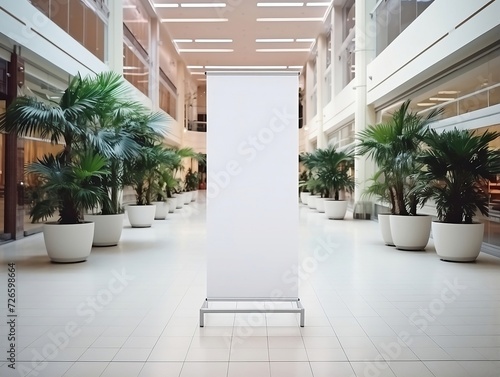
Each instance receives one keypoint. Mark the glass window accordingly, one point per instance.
(76, 19)
(393, 20)
(134, 69)
(394, 16)
(59, 13)
(408, 12)
(168, 102)
(328, 49)
(87, 25)
(42, 6)
(349, 17)
(137, 21)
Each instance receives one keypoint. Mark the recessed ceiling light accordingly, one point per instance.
(130, 67)
(197, 73)
(270, 40)
(305, 39)
(444, 99)
(203, 5)
(290, 19)
(245, 67)
(194, 20)
(280, 4)
(206, 50)
(449, 92)
(171, 5)
(295, 67)
(282, 50)
(425, 104)
(182, 40)
(194, 67)
(318, 4)
(213, 40)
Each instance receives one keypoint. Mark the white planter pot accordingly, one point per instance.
(194, 196)
(320, 204)
(107, 229)
(335, 209)
(179, 198)
(311, 201)
(303, 197)
(385, 228)
(68, 243)
(457, 242)
(187, 197)
(141, 216)
(172, 203)
(410, 232)
(161, 210)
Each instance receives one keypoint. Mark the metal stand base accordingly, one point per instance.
(205, 309)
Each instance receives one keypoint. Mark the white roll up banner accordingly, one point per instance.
(252, 185)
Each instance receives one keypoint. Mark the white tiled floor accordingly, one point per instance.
(371, 310)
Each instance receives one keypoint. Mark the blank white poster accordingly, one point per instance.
(252, 185)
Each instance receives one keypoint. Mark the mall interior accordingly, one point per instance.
(371, 310)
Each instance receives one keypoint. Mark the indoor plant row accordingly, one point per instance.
(415, 164)
(108, 142)
(329, 176)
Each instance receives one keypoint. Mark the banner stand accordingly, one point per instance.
(299, 310)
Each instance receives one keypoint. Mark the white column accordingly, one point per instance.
(363, 52)
(309, 87)
(154, 63)
(115, 36)
(337, 40)
(320, 67)
(181, 94)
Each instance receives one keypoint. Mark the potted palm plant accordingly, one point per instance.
(395, 146)
(458, 164)
(67, 121)
(331, 168)
(142, 171)
(114, 137)
(191, 182)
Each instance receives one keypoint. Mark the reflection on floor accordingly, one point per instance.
(132, 310)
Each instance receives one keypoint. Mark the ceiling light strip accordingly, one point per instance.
(289, 4)
(290, 19)
(282, 50)
(203, 5)
(206, 50)
(194, 20)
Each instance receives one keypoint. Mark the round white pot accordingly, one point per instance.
(172, 203)
(161, 210)
(141, 216)
(194, 195)
(457, 242)
(68, 243)
(187, 197)
(303, 197)
(385, 228)
(107, 229)
(320, 204)
(311, 201)
(410, 232)
(179, 200)
(335, 209)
